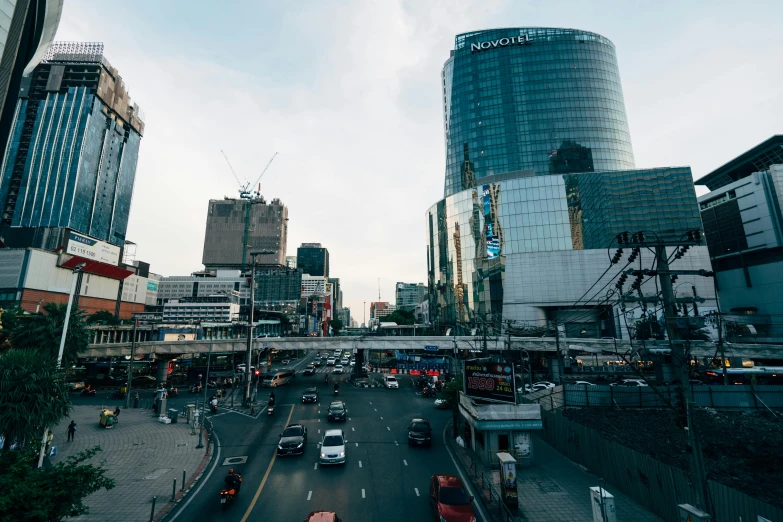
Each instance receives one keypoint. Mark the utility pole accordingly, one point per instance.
(249, 355)
(560, 361)
(130, 366)
(680, 360)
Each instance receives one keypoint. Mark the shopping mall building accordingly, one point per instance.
(540, 179)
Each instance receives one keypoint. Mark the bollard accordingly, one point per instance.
(174, 490)
(183, 480)
(152, 513)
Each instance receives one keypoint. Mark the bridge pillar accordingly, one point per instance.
(162, 373)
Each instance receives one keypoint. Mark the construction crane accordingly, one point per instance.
(252, 198)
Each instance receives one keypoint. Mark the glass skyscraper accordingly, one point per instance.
(539, 181)
(532, 98)
(71, 158)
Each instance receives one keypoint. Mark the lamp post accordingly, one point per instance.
(249, 355)
(204, 404)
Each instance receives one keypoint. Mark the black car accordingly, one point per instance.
(310, 395)
(292, 440)
(309, 370)
(419, 433)
(337, 411)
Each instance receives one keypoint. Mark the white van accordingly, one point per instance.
(273, 380)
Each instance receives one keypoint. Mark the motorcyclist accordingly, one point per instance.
(326, 379)
(233, 480)
(336, 387)
(272, 397)
(213, 403)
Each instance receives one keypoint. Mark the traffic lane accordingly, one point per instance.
(240, 436)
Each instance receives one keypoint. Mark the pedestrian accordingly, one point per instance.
(71, 430)
(49, 437)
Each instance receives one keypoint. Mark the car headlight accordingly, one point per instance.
(300, 445)
(323, 455)
(279, 446)
(342, 454)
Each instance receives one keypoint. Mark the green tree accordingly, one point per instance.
(450, 393)
(103, 317)
(336, 326)
(33, 394)
(47, 494)
(41, 333)
(401, 317)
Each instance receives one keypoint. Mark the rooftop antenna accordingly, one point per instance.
(379, 289)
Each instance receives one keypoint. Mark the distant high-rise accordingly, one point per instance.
(313, 259)
(290, 261)
(71, 158)
(28, 27)
(267, 230)
(409, 295)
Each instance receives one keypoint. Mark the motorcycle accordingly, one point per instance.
(88, 392)
(173, 392)
(195, 389)
(336, 390)
(227, 494)
(213, 408)
(270, 409)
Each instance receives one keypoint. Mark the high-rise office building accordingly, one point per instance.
(267, 229)
(313, 259)
(539, 181)
(290, 261)
(278, 286)
(539, 98)
(71, 158)
(409, 295)
(27, 28)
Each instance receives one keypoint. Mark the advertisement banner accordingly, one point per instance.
(152, 285)
(490, 381)
(89, 248)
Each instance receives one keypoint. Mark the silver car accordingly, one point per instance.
(333, 447)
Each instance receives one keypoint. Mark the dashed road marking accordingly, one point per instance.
(405, 462)
(414, 489)
(309, 495)
(376, 409)
(360, 463)
(381, 418)
(370, 402)
(388, 428)
(362, 493)
(357, 444)
(316, 466)
(319, 430)
(353, 429)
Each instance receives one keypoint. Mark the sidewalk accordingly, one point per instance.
(554, 489)
(142, 455)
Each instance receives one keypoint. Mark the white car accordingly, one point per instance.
(390, 381)
(630, 383)
(344, 361)
(241, 368)
(338, 368)
(330, 361)
(545, 384)
(583, 383)
(333, 447)
(353, 362)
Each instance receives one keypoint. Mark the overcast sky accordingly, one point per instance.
(348, 92)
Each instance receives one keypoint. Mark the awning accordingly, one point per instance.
(97, 268)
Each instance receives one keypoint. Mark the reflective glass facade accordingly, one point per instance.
(532, 98)
(542, 240)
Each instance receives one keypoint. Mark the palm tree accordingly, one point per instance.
(42, 332)
(33, 394)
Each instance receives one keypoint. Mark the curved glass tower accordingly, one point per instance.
(545, 99)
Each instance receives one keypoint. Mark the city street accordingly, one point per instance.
(383, 477)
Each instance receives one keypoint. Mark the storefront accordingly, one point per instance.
(491, 428)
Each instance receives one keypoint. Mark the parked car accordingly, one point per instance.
(337, 411)
(293, 440)
(310, 395)
(338, 368)
(545, 384)
(75, 385)
(309, 370)
(630, 383)
(583, 383)
(390, 382)
(419, 432)
(449, 499)
(333, 447)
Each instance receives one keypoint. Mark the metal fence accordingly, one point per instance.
(735, 397)
(657, 486)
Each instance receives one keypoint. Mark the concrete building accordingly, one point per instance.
(313, 259)
(214, 308)
(225, 233)
(203, 284)
(409, 295)
(743, 225)
(313, 285)
(290, 261)
(278, 285)
(27, 28)
(379, 310)
(71, 158)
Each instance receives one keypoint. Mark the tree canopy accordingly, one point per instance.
(401, 317)
(33, 394)
(41, 332)
(336, 325)
(47, 494)
(103, 317)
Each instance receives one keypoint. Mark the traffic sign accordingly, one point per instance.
(430, 348)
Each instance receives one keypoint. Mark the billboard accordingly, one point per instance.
(89, 248)
(490, 381)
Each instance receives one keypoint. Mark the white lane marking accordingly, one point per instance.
(316, 466)
(349, 418)
(309, 495)
(319, 430)
(388, 428)
(414, 489)
(370, 402)
(405, 462)
(396, 443)
(353, 429)
(319, 420)
(360, 463)
(357, 444)
(381, 418)
(203, 479)
(362, 493)
(376, 409)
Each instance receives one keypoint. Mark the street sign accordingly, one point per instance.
(430, 348)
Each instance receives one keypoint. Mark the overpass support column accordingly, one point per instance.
(162, 373)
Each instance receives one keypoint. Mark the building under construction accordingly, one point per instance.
(224, 240)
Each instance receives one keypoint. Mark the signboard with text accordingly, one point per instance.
(490, 381)
(89, 248)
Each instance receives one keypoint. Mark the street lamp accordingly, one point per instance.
(249, 355)
(77, 269)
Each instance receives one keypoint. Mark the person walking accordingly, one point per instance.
(71, 430)
(49, 437)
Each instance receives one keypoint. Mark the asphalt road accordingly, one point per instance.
(383, 479)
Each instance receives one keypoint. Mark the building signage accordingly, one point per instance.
(87, 247)
(493, 425)
(152, 286)
(490, 381)
(430, 348)
(502, 42)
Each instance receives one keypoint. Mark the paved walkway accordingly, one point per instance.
(554, 489)
(142, 455)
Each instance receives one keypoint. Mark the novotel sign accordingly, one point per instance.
(502, 42)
